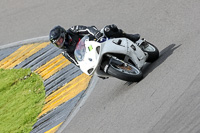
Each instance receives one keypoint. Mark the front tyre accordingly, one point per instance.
(153, 53)
(125, 72)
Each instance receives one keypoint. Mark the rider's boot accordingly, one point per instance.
(113, 31)
(132, 37)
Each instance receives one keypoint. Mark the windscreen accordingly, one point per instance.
(79, 52)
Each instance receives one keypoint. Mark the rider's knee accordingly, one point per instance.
(112, 31)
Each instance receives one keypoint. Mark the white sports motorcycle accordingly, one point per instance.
(117, 57)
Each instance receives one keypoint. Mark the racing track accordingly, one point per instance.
(166, 100)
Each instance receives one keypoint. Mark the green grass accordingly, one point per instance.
(21, 99)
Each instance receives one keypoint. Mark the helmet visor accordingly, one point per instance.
(60, 41)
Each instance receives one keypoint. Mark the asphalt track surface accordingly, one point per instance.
(167, 99)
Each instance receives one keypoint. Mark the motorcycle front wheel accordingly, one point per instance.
(125, 72)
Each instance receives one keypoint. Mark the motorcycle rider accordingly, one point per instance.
(68, 39)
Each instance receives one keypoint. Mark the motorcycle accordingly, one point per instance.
(115, 57)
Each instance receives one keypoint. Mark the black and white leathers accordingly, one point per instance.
(74, 35)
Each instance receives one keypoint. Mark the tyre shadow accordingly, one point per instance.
(164, 54)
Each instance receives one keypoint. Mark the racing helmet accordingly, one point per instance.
(57, 36)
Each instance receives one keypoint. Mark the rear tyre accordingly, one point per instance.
(152, 51)
(125, 72)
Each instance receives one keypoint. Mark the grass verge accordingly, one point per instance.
(22, 96)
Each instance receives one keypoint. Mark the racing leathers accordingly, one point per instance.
(75, 34)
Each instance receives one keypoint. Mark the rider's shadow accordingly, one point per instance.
(164, 54)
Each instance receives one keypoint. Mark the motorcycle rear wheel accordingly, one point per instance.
(125, 72)
(152, 51)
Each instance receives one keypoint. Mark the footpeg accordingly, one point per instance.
(117, 42)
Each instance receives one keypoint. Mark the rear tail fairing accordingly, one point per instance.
(123, 49)
(136, 54)
(126, 47)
